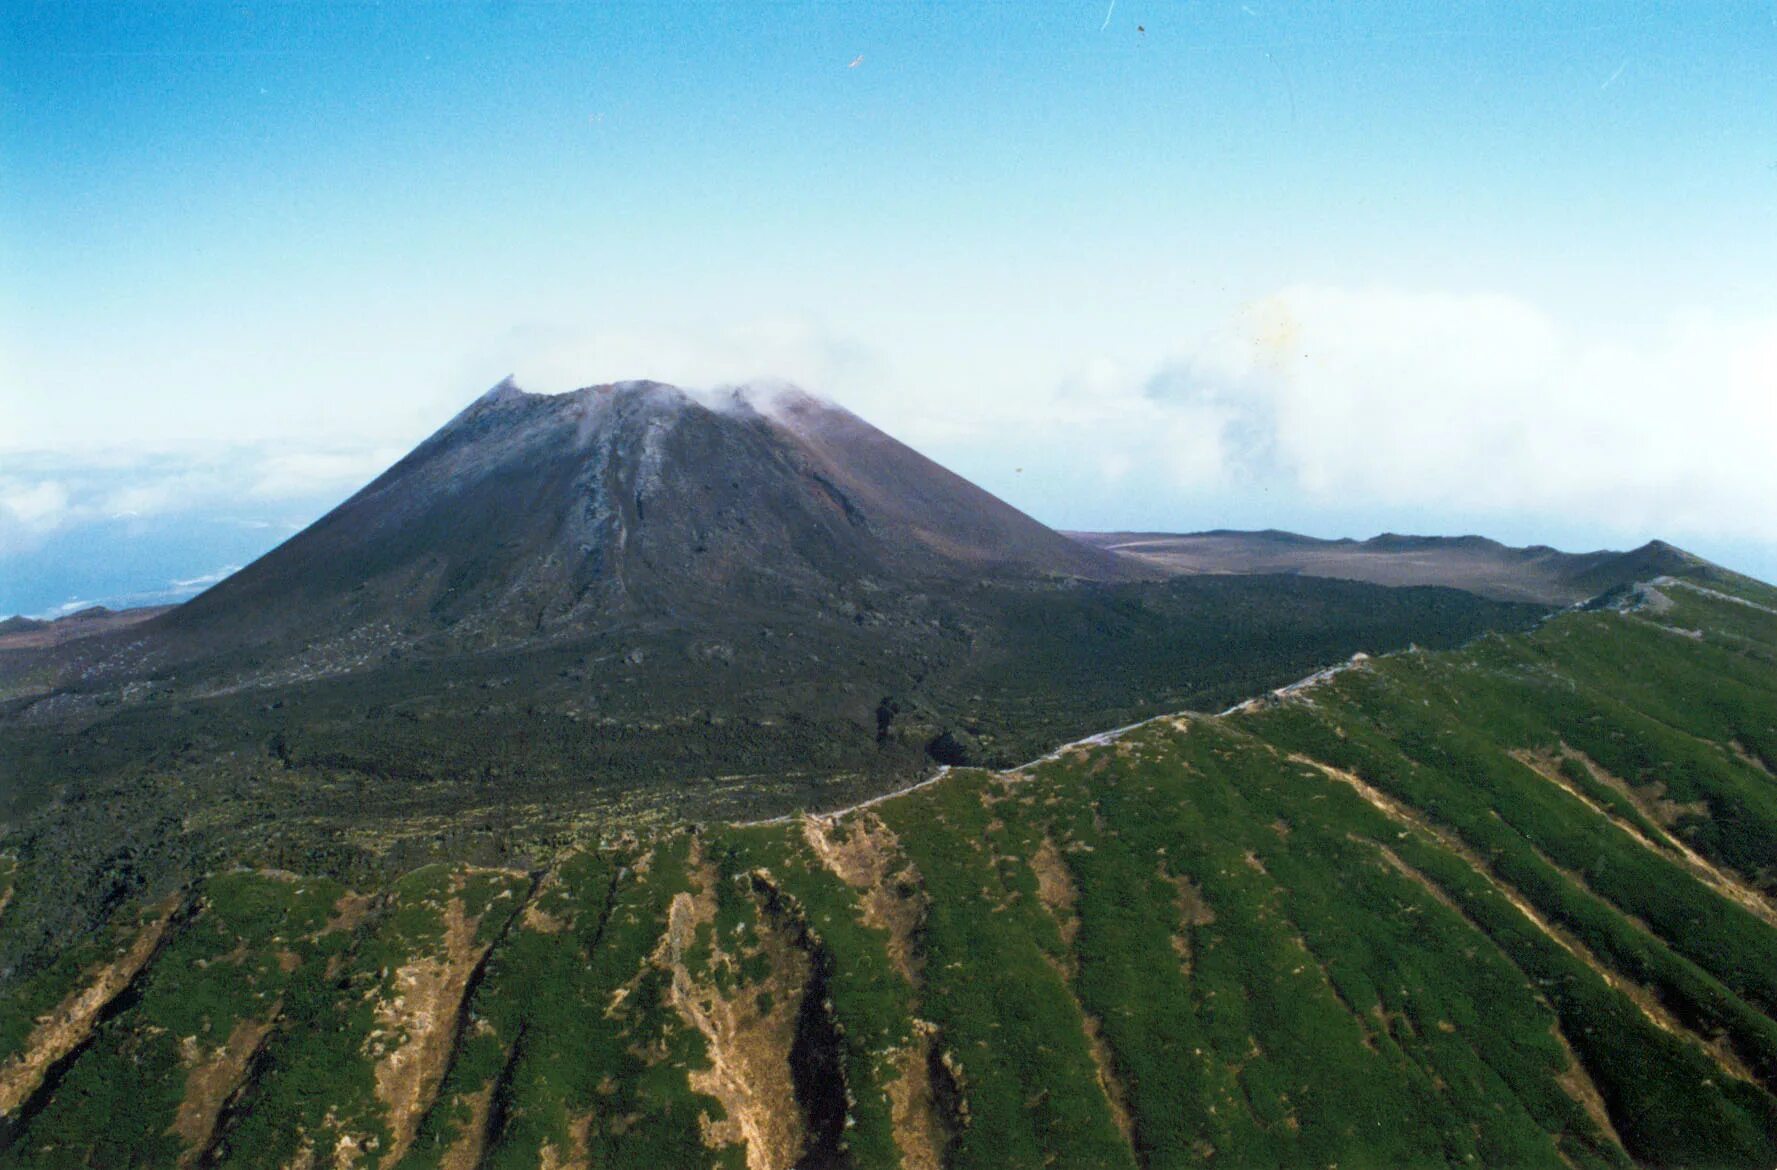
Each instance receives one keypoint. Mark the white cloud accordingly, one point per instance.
(303, 473)
(201, 581)
(45, 492)
(550, 357)
(1384, 399)
(159, 494)
(39, 506)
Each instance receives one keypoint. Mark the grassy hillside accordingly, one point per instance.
(1511, 904)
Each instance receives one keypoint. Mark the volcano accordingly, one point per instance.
(633, 596)
(535, 516)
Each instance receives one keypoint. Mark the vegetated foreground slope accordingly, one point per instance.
(1514, 904)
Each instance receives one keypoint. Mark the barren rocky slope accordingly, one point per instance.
(1539, 574)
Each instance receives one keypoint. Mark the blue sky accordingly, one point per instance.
(1341, 268)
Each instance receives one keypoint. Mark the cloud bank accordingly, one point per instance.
(1381, 400)
(126, 528)
(47, 492)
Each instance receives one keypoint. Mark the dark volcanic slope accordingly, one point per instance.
(1538, 574)
(532, 515)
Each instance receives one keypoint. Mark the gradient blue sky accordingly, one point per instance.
(1340, 268)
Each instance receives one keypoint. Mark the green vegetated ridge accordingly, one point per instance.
(1508, 905)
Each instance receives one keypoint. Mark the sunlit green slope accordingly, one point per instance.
(1512, 905)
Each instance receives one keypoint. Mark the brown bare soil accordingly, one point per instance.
(1650, 800)
(348, 913)
(1577, 1083)
(1114, 1092)
(1574, 1080)
(870, 861)
(913, 1107)
(1547, 765)
(1060, 896)
(1193, 911)
(1747, 758)
(465, 1153)
(1650, 1006)
(578, 1155)
(892, 898)
(416, 1025)
(346, 1150)
(1055, 886)
(211, 1080)
(749, 1050)
(538, 919)
(68, 1026)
